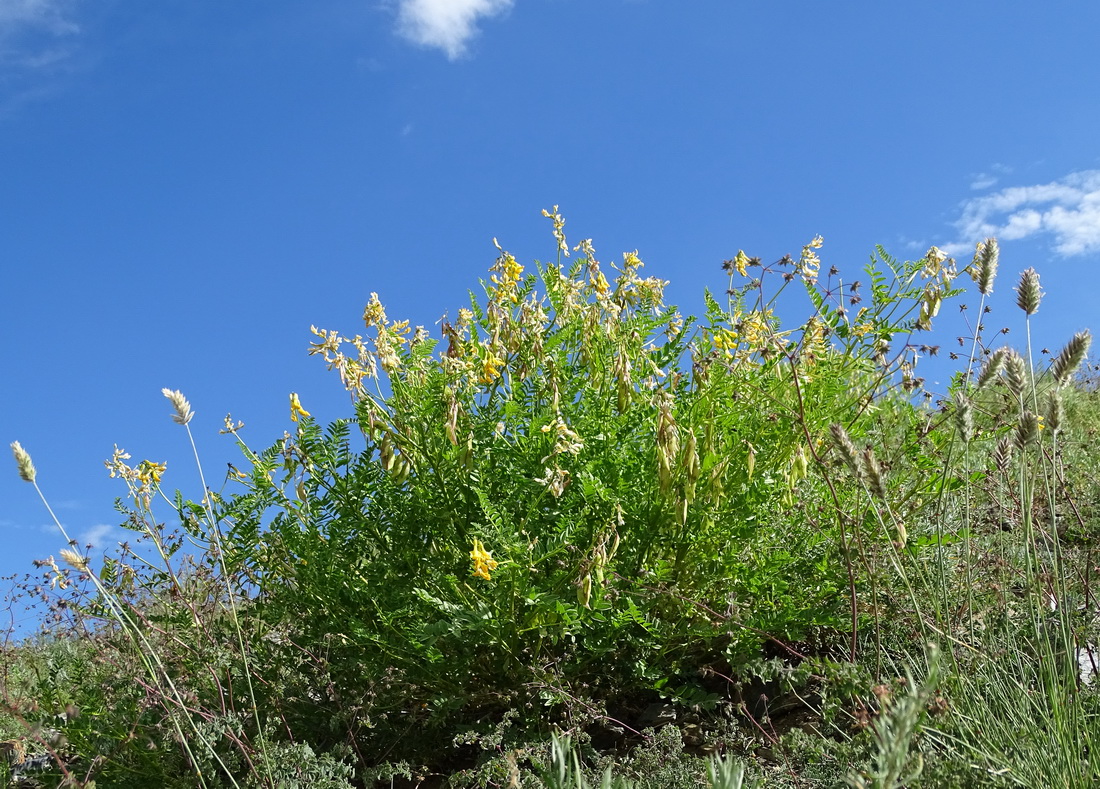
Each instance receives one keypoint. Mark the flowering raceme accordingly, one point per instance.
(484, 563)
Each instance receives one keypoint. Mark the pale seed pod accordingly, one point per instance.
(1027, 430)
(903, 534)
(964, 416)
(23, 462)
(1070, 357)
(584, 591)
(691, 458)
(1028, 294)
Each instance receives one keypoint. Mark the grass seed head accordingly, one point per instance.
(964, 416)
(179, 403)
(847, 449)
(74, 560)
(1055, 415)
(993, 366)
(984, 268)
(1002, 454)
(23, 461)
(872, 472)
(1070, 357)
(1027, 429)
(1015, 373)
(1028, 294)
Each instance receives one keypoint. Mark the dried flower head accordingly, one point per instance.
(984, 268)
(23, 461)
(1070, 357)
(1028, 294)
(179, 402)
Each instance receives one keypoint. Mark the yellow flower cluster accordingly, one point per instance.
(296, 409)
(484, 563)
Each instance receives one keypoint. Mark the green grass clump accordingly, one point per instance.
(584, 540)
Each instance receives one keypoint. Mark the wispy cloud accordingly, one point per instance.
(39, 40)
(446, 24)
(1066, 210)
(98, 535)
(51, 16)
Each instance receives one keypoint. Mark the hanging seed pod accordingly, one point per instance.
(1070, 357)
(964, 416)
(690, 460)
(1028, 294)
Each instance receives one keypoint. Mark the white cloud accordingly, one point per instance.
(1067, 210)
(446, 24)
(97, 535)
(47, 15)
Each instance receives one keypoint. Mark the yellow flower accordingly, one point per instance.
(296, 409)
(149, 472)
(741, 262)
(484, 563)
(490, 369)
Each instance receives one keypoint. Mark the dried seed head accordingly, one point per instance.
(847, 449)
(1002, 454)
(964, 416)
(1070, 358)
(179, 402)
(1028, 294)
(23, 460)
(993, 365)
(1015, 373)
(984, 268)
(1055, 415)
(1027, 430)
(873, 473)
(74, 560)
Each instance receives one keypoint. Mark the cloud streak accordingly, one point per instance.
(445, 24)
(45, 15)
(1066, 210)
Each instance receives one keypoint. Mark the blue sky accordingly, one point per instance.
(187, 185)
